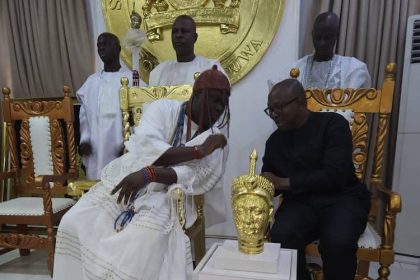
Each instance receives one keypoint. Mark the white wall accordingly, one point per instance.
(249, 127)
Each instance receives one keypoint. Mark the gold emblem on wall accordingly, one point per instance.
(235, 32)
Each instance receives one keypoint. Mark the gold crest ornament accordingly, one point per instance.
(236, 32)
(252, 206)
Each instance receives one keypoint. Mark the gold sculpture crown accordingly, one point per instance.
(247, 184)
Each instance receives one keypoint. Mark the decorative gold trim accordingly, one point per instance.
(360, 131)
(26, 157)
(37, 108)
(71, 148)
(57, 148)
(13, 240)
(379, 148)
(344, 99)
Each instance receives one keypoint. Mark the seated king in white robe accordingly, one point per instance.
(100, 238)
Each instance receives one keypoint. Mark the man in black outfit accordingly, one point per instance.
(309, 160)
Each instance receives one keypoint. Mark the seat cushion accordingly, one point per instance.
(32, 206)
(369, 238)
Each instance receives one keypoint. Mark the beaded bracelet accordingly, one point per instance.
(149, 174)
(152, 173)
(126, 216)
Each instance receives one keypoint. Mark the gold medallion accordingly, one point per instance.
(235, 32)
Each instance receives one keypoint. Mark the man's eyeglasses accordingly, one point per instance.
(279, 109)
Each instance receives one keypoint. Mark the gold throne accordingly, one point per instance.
(132, 100)
(368, 112)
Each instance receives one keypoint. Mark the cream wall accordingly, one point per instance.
(249, 127)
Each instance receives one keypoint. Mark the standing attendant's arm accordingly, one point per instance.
(85, 147)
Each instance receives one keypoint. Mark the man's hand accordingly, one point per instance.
(129, 187)
(281, 184)
(212, 143)
(85, 149)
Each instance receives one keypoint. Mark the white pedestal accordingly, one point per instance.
(229, 257)
(206, 269)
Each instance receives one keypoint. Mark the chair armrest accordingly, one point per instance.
(41, 182)
(393, 207)
(393, 198)
(77, 187)
(8, 175)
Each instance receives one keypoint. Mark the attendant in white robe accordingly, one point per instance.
(187, 64)
(177, 145)
(325, 69)
(101, 138)
(338, 72)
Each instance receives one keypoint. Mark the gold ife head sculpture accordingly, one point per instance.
(252, 206)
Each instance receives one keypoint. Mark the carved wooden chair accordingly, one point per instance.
(358, 106)
(132, 100)
(42, 159)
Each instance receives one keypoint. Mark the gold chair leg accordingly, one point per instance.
(316, 271)
(384, 271)
(199, 245)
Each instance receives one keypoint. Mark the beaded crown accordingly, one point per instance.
(252, 184)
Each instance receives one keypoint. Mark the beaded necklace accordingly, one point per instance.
(127, 215)
(309, 82)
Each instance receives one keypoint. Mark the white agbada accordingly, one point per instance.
(172, 72)
(100, 119)
(340, 71)
(153, 245)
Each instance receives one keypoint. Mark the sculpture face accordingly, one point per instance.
(251, 214)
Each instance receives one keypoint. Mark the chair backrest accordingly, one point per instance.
(368, 111)
(57, 115)
(132, 100)
(358, 106)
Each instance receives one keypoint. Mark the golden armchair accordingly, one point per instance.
(360, 106)
(132, 100)
(35, 201)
